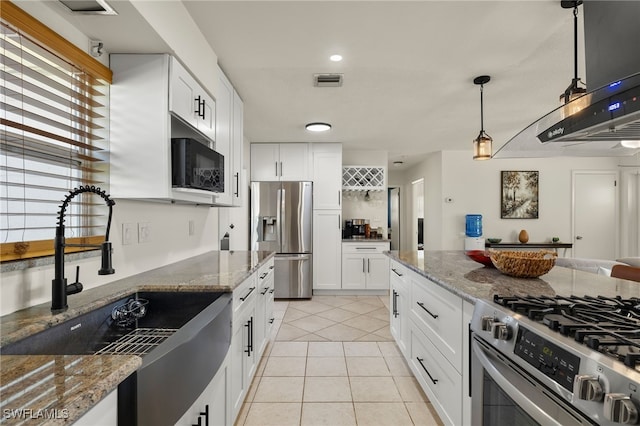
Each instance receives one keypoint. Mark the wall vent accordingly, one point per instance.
(327, 80)
(89, 7)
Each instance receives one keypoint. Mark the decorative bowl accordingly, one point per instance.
(523, 264)
(494, 240)
(479, 256)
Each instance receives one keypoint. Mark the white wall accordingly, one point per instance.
(170, 241)
(474, 187)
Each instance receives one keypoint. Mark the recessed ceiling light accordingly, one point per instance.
(318, 127)
(398, 163)
(335, 58)
(630, 144)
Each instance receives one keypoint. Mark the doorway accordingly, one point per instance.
(595, 214)
(394, 218)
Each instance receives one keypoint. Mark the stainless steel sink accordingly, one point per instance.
(183, 339)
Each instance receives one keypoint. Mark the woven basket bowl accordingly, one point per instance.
(523, 264)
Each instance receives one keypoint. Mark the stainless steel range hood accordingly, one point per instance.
(595, 124)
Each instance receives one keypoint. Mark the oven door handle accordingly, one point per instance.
(514, 393)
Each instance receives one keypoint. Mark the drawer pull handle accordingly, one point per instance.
(247, 295)
(272, 290)
(426, 371)
(265, 291)
(422, 306)
(264, 275)
(366, 248)
(271, 320)
(397, 273)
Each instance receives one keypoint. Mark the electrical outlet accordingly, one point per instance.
(144, 232)
(129, 234)
(192, 227)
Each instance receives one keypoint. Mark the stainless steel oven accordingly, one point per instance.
(542, 365)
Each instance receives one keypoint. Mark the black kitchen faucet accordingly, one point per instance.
(59, 287)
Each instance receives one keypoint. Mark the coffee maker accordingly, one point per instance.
(355, 228)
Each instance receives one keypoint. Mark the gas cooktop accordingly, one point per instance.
(608, 325)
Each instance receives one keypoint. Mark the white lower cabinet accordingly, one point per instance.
(251, 330)
(440, 381)
(211, 408)
(431, 327)
(327, 240)
(364, 267)
(399, 306)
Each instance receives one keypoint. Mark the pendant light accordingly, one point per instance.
(573, 91)
(482, 144)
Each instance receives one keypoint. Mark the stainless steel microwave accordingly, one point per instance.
(194, 165)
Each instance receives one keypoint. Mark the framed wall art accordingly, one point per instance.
(519, 194)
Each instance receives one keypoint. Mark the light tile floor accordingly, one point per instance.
(333, 362)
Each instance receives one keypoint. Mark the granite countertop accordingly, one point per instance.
(470, 280)
(67, 393)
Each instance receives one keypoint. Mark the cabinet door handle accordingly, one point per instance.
(281, 172)
(199, 422)
(205, 413)
(237, 184)
(265, 291)
(276, 168)
(426, 371)
(200, 111)
(369, 265)
(247, 295)
(397, 273)
(263, 275)
(422, 306)
(249, 326)
(363, 271)
(395, 304)
(339, 221)
(339, 197)
(271, 320)
(272, 290)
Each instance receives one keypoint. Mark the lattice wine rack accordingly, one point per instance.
(359, 178)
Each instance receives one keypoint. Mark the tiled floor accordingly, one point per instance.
(333, 362)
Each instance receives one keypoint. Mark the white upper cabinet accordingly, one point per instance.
(237, 142)
(190, 102)
(224, 119)
(143, 121)
(280, 162)
(327, 176)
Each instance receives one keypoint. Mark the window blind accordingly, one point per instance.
(53, 138)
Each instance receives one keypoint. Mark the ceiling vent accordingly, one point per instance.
(327, 80)
(89, 7)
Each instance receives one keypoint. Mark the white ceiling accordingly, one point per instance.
(408, 67)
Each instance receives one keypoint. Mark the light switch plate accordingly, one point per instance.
(144, 232)
(129, 234)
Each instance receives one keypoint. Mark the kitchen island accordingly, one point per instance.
(59, 389)
(433, 294)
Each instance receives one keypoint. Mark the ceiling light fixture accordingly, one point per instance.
(573, 91)
(398, 163)
(318, 127)
(335, 58)
(630, 143)
(482, 144)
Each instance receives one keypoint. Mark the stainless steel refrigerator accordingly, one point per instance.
(281, 221)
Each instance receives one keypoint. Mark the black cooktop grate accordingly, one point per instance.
(608, 325)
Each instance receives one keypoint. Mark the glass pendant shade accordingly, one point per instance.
(482, 146)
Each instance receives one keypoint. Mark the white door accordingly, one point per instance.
(294, 162)
(354, 269)
(327, 250)
(265, 159)
(595, 215)
(378, 272)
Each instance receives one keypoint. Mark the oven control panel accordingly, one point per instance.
(556, 363)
